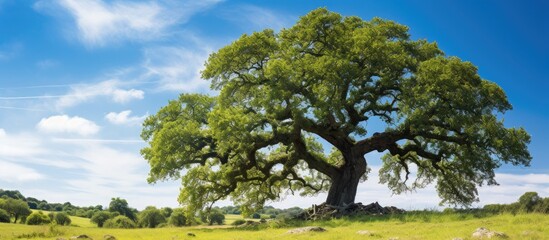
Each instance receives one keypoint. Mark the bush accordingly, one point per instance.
(38, 218)
(62, 219)
(162, 225)
(177, 219)
(119, 222)
(101, 217)
(151, 217)
(216, 217)
(4, 216)
(238, 222)
(256, 216)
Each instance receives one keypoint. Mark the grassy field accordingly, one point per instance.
(408, 226)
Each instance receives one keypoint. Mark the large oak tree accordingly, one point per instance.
(284, 96)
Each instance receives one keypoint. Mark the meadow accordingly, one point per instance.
(413, 225)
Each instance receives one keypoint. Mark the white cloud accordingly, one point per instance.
(99, 22)
(123, 96)
(110, 88)
(176, 69)
(124, 118)
(66, 124)
(19, 146)
(12, 172)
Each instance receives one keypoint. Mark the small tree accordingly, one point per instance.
(120, 222)
(62, 219)
(121, 206)
(178, 218)
(151, 217)
(16, 208)
(528, 200)
(216, 217)
(100, 217)
(38, 218)
(4, 216)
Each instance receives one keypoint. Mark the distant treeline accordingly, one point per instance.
(529, 202)
(67, 207)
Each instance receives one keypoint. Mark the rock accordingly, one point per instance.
(394, 238)
(486, 233)
(365, 232)
(109, 237)
(307, 229)
(82, 236)
(190, 234)
(457, 238)
(326, 211)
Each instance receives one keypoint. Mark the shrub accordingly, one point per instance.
(4, 216)
(62, 219)
(262, 220)
(151, 217)
(238, 222)
(38, 218)
(100, 218)
(177, 219)
(162, 225)
(119, 222)
(216, 217)
(256, 216)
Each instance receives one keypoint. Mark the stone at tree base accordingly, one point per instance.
(307, 229)
(486, 233)
(109, 237)
(326, 211)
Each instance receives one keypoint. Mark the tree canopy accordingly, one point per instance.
(329, 81)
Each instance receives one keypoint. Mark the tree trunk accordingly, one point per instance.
(345, 183)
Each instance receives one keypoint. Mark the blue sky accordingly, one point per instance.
(78, 77)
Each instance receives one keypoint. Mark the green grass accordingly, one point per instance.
(406, 227)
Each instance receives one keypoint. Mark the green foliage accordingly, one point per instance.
(166, 212)
(120, 206)
(326, 78)
(238, 222)
(151, 217)
(38, 218)
(4, 216)
(256, 216)
(177, 218)
(101, 217)
(16, 208)
(215, 217)
(62, 218)
(119, 222)
(529, 202)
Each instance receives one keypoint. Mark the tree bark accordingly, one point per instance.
(345, 181)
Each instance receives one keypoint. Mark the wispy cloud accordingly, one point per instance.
(12, 172)
(66, 124)
(176, 68)
(111, 88)
(124, 118)
(100, 22)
